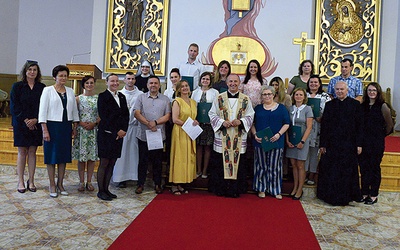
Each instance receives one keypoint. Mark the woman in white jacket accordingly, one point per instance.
(57, 112)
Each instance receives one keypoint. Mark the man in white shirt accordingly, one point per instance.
(192, 67)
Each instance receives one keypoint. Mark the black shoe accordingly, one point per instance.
(359, 200)
(111, 194)
(369, 201)
(139, 189)
(234, 195)
(297, 198)
(104, 196)
(158, 189)
(122, 184)
(30, 189)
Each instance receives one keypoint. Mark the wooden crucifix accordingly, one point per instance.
(303, 41)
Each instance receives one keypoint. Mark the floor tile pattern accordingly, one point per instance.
(82, 221)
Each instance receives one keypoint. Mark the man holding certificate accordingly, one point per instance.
(152, 110)
(231, 117)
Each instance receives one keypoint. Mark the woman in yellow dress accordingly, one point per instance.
(183, 148)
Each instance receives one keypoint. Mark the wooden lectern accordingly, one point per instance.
(78, 71)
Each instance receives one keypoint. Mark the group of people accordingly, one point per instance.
(126, 130)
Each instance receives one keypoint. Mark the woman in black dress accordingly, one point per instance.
(114, 119)
(24, 106)
(378, 124)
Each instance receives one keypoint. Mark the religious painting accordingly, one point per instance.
(347, 29)
(239, 42)
(239, 57)
(136, 31)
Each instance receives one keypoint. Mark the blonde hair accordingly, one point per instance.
(179, 86)
(281, 88)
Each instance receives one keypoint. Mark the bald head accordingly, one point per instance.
(341, 90)
(233, 82)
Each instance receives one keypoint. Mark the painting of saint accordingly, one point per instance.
(347, 28)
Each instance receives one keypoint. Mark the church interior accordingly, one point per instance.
(78, 32)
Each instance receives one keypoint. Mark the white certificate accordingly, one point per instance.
(192, 131)
(154, 139)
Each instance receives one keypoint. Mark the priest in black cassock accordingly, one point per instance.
(340, 143)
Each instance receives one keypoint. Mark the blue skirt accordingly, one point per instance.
(58, 149)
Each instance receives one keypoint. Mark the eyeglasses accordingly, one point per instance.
(267, 94)
(372, 90)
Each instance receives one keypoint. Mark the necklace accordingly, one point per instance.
(60, 89)
(269, 106)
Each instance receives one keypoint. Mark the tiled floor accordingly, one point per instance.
(82, 221)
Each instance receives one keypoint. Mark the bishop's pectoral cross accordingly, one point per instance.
(303, 41)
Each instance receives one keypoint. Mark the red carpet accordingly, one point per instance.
(200, 220)
(392, 144)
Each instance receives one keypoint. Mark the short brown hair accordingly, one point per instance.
(304, 92)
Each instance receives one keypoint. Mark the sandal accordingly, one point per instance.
(81, 187)
(183, 190)
(89, 186)
(175, 190)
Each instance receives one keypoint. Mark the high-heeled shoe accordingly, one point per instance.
(21, 190)
(53, 195)
(62, 192)
(297, 198)
(33, 189)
